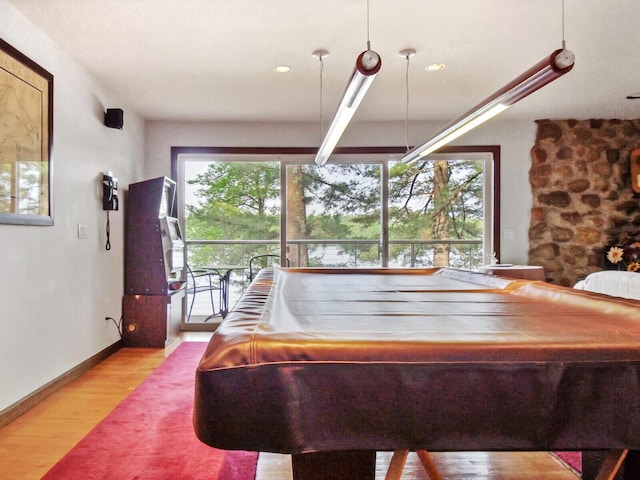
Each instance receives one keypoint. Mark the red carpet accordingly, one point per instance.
(149, 435)
(573, 459)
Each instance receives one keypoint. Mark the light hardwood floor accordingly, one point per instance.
(33, 443)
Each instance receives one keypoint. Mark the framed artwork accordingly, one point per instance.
(26, 140)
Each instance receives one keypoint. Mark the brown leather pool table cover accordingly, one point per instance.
(316, 360)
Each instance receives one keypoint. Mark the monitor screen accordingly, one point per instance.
(166, 201)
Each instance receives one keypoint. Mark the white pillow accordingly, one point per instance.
(612, 282)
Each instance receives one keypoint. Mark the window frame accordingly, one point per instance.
(287, 156)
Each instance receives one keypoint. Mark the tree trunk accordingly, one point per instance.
(296, 216)
(440, 218)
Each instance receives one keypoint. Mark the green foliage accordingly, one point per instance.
(241, 201)
(352, 188)
(238, 200)
(414, 203)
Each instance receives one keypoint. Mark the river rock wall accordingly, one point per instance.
(582, 196)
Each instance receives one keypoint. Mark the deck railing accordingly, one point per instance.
(342, 252)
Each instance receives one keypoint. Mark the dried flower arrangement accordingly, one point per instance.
(626, 257)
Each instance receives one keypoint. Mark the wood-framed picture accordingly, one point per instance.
(26, 140)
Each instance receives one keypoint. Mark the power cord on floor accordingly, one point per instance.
(118, 324)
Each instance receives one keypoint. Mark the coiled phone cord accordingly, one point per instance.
(108, 245)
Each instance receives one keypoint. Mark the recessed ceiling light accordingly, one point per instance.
(434, 67)
(282, 69)
(634, 96)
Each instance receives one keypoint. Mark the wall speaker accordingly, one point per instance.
(114, 118)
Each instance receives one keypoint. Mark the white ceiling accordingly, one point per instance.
(214, 59)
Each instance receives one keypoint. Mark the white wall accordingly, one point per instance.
(55, 289)
(515, 138)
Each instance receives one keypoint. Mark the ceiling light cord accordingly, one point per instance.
(406, 53)
(406, 111)
(320, 54)
(368, 23)
(564, 43)
(321, 115)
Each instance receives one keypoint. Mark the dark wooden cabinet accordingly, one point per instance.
(154, 261)
(152, 321)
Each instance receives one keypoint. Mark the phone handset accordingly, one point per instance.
(109, 192)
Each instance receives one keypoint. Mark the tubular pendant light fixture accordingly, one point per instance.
(368, 64)
(547, 70)
(557, 64)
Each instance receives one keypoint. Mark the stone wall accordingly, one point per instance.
(582, 196)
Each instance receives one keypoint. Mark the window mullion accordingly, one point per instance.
(384, 213)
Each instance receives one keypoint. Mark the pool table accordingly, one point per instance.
(332, 365)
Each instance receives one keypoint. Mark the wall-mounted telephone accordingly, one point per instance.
(109, 192)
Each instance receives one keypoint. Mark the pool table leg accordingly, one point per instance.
(337, 465)
(611, 465)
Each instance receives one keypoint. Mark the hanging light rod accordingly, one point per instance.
(368, 64)
(557, 64)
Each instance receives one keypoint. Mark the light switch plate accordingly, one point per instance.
(83, 233)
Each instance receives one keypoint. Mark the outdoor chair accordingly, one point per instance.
(199, 281)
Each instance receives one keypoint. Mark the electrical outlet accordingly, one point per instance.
(83, 233)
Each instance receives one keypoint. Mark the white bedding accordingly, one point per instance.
(612, 282)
